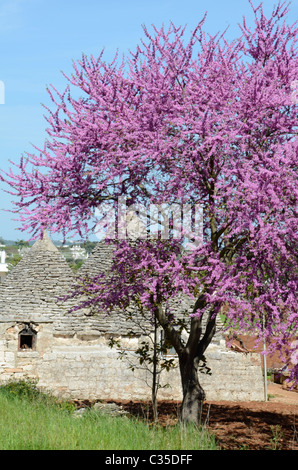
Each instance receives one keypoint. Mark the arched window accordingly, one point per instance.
(27, 338)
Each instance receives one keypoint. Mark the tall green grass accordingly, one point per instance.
(30, 420)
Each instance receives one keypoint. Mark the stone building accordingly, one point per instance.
(69, 353)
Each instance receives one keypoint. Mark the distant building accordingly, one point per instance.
(3, 265)
(78, 253)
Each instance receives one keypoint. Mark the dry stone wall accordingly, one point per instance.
(90, 369)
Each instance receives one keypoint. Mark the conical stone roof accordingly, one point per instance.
(99, 260)
(30, 291)
(115, 322)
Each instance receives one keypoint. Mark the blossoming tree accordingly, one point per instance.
(208, 122)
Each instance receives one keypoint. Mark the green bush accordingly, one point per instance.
(22, 389)
(28, 390)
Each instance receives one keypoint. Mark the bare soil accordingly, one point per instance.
(271, 425)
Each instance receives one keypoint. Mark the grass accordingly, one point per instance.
(30, 420)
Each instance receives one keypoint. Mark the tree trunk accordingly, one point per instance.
(189, 358)
(190, 355)
(193, 393)
(155, 374)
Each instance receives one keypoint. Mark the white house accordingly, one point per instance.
(3, 265)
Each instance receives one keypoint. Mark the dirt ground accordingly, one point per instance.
(271, 425)
(256, 425)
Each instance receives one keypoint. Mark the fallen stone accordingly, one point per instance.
(109, 408)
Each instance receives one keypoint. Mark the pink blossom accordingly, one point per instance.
(207, 122)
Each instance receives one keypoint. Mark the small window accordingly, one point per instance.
(27, 339)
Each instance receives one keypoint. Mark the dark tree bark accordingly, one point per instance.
(190, 355)
(193, 393)
(189, 360)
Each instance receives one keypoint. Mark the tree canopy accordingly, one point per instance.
(193, 121)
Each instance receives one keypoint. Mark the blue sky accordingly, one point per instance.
(39, 39)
